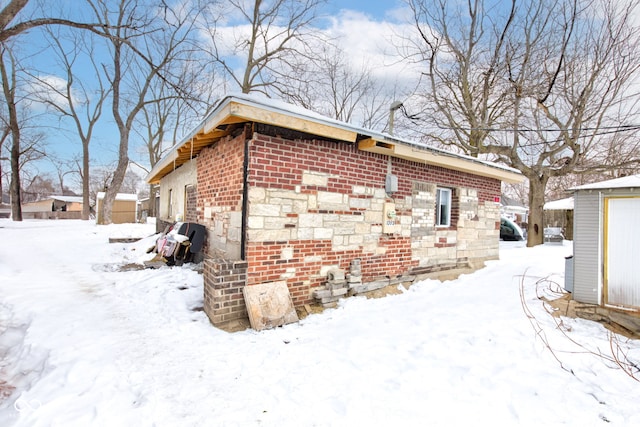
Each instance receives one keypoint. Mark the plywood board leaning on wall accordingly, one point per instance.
(269, 305)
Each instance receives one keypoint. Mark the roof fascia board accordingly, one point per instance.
(271, 116)
(234, 109)
(211, 121)
(238, 108)
(215, 119)
(453, 162)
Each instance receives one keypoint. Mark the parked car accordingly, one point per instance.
(509, 230)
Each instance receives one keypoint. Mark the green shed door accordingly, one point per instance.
(622, 251)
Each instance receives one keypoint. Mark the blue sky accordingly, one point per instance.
(376, 9)
(64, 144)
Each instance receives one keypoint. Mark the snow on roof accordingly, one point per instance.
(120, 196)
(295, 110)
(68, 199)
(562, 204)
(624, 182)
(276, 106)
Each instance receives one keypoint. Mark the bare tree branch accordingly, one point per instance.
(277, 31)
(532, 85)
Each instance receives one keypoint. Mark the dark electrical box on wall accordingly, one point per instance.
(391, 184)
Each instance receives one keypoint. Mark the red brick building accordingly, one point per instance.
(289, 195)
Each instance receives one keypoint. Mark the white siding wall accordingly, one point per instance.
(587, 244)
(623, 251)
(174, 185)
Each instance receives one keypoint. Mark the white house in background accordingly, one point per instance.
(606, 243)
(514, 210)
(54, 207)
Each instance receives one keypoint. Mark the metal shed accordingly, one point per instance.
(606, 243)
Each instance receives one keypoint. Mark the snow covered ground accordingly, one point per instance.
(84, 344)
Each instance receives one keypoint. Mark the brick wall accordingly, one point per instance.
(191, 194)
(315, 205)
(220, 182)
(223, 284)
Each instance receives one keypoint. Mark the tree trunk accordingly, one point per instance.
(535, 228)
(118, 178)
(86, 208)
(8, 89)
(152, 201)
(14, 186)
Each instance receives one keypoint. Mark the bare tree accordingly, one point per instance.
(100, 179)
(25, 146)
(533, 85)
(9, 28)
(74, 99)
(137, 58)
(131, 183)
(64, 168)
(270, 34)
(37, 188)
(8, 75)
(158, 123)
(4, 137)
(173, 109)
(464, 95)
(333, 85)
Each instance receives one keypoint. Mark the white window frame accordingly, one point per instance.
(443, 201)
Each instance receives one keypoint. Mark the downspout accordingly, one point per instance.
(245, 195)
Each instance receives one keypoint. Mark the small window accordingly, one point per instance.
(443, 207)
(170, 207)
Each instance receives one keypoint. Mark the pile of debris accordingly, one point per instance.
(180, 243)
(340, 284)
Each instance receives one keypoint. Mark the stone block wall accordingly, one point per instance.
(317, 205)
(314, 206)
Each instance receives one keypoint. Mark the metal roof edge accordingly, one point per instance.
(631, 181)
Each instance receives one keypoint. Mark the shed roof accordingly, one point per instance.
(242, 108)
(119, 196)
(65, 199)
(559, 205)
(631, 181)
(68, 199)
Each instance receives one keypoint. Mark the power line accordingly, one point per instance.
(614, 129)
(610, 129)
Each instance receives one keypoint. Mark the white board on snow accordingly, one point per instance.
(269, 305)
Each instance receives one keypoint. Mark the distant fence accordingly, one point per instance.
(52, 215)
(560, 218)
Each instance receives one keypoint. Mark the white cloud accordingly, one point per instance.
(372, 42)
(50, 89)
(365, 40)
